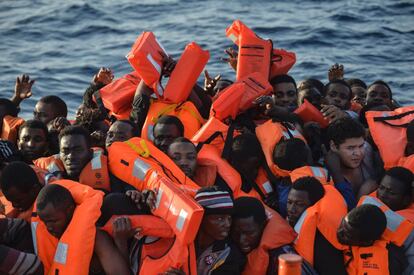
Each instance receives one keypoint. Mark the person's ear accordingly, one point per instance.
(333, 146)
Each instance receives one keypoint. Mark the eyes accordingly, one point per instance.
(289, 93)
(334, 93)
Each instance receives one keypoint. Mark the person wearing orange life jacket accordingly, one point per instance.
(49, 108)
(260, 238)
(362, 230)
(20, 185)
(33, 140)
(8, 120)
(315, 211)
(121, 130)
(66, 238)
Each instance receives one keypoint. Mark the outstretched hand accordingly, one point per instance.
(336, 72)
(168, 64)
(232, 59)
(332, 112)
(23, 87)
(210, 83)
(103, 77)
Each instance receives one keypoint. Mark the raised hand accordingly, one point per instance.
(57, 124)
(332, 112)
(122, 228)
(23, 88)
(232, 59)
(335, 72)
(210, 83)
(103, 77)
(168, 64)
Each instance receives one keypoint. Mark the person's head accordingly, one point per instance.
(304, 193)
(55, 207)
(121, 130)
(310, 94)
(379, 92)
(20, 185)
(292, 153)
(33, 140)
(409, 148)
(312, 83)
(371, 107)
(362, 226)
(246, 155)
(218, 207)
(346, 138)
(74, 150)
(7, 108)
(359, 90)
(49, 108)
(338, 93)
(184, 154)
(166, 130)
(249, 221)
(395, 188)
(285, 93)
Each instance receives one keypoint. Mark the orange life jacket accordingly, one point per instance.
(269, 134)
(391, 145)
(319, 173)
(356, 107)
(186, 112)
(72, 253)
(10, 128)
(276, 234)
(146, 59)
(307, 112)
(407, 162)
(374, 259)
(239, 96)
(281, 61)
(94, 174)
(185, 74)
(133, 161)
(326, 216)
(118, 95)
(213, 132)
(407, 213)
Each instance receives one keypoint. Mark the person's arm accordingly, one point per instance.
(101, 79)
(13, 261)
(109, 256)
(22, 89)
(141, 104)
(327, 259)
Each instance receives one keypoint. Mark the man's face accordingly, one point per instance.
(359, 94)
(216, 226)
(310, 94)
(21, 201)
(379, 94)
(391, 192)
(119, 131)
(248, 167)
(285, 95)
(298, 201)
(351, 152)
(164, 135)
(246, 233)
(44, 112)
(56, 220)
(338, 95)
(32, 143)
(184, 156)
(75, 154)
(348, 235)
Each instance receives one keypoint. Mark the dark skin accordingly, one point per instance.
(379, 94)
(298, 201)
(57, 221)
(391, 191)
(350, 235)
(45, 112)
(246, 233)
(338, 95)
(22, 200)
(75, 154)
(22, 89)
(32, 143)
(164, 134)
(285, 95)
(310, 94)
(119, 131)
(359, 94)
(213, 228)
(184, 154)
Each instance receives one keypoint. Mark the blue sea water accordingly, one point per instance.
(62, 44)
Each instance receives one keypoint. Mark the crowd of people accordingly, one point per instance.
(179, 188)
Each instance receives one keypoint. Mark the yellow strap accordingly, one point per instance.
(163, 111)
(143, 151)
(194, 114)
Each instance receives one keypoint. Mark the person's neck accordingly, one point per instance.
(204, 240)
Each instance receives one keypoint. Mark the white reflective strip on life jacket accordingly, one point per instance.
(267, 187)
(61, 254)
(161, 46)
(181, 219)
(233, 37)
(154, 63)
(316, 171)
(52, 168)
(394, 220)
(33, 226)
(140, 169)
(295, 133)
(371, 200)
(286, 135)
(299, 223)
(96, 160)
(150, 135)
(159, 196)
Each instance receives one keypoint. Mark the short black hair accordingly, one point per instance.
(135, 130)
(369, 220)
(182, 140)
(312, 186)
(59, 105)
(10, 108)
(313, 83)
(35, 124)
(403, 175)
(57, 195)
(356, 82)
(76, 130)
(246, 207)
(245, 146)
(342, 129)
(290, 154)
(167, 119)
(381, 82)
(341, 82)
(19, 175)
(283, 78)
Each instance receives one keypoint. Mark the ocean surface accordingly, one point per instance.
(62, 44)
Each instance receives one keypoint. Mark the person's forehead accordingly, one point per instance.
(182, 147)
(378, 88)
(391, 182)
(338, 87)
(298, 194)
(72, 140)
(26, 131)
(356, 141)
